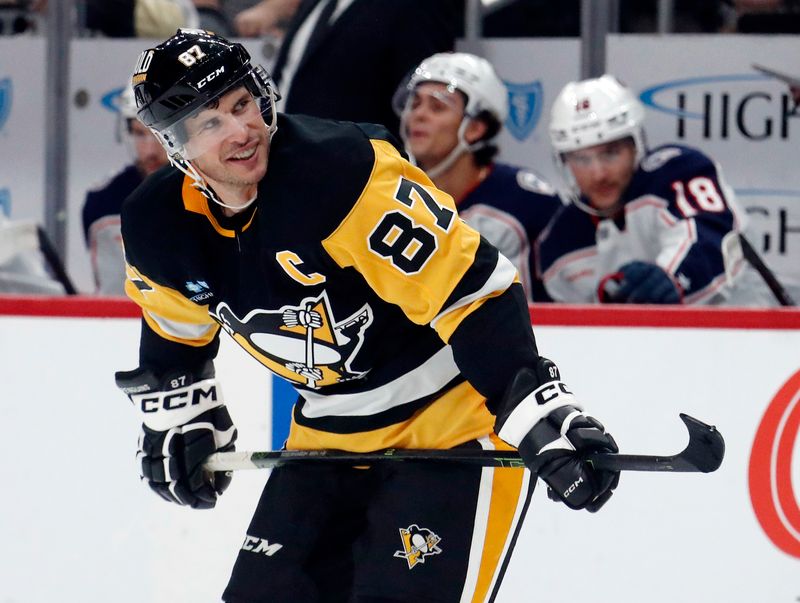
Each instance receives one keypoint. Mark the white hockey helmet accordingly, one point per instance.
(127, 103)
(126, 111)
(596, 111)
(473, 76)
(591, 112)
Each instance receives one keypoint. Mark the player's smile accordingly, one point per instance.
(247, 156)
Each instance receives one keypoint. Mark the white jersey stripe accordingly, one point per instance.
(181, 330)
(501, 279)
(681, 249)
(480, 527)
(425, 380)
(522, 501)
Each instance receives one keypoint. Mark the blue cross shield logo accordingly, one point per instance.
(524, 108)
(5, 201)
(5, 101)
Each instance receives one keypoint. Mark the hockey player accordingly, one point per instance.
(339, 266)
(451, 110)
(658, 227)
(102, 205)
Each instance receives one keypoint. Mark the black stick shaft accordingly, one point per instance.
(54, 261)
(703, 454)
(778, 290)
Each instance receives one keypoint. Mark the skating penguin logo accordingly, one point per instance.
(302, 343)
(418, 543)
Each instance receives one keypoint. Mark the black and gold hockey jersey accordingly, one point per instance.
(351, 276)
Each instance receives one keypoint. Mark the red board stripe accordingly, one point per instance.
(541, 314)
(71, 306)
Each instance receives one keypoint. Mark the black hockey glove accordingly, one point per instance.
(541, 417)
(639, 283)
(184, 421)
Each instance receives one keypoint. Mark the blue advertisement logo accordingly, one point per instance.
(648, 96)
(525, 107)
(111, 100)
(746, 106)
(5, 201)
(6, 96)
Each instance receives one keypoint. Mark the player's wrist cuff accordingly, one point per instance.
(533, 408)
(163, 410)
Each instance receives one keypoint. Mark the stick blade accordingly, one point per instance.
(706, 447)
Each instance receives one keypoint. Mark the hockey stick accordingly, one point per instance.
(751, 255)
(54, 261)
(703, 454)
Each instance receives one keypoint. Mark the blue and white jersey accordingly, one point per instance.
(678, 213)
(101, 228)
(510, 208)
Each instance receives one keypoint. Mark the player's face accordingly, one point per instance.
(432, 122)
(150, 155)
(235, 144)
(603, 172)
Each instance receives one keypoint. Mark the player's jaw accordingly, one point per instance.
(605, 193)
(148, 165)
(430, 143)
(420, 144)
(152, 160)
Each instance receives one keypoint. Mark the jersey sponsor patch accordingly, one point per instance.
(655, 160)
(199, 291)
(418, 544)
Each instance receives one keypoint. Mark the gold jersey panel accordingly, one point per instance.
(404, 236)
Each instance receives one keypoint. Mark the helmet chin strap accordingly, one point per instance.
(574, 193)
(600, 213)
(201, 184)
(462, 146)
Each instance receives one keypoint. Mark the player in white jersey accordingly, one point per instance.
(656, 226)
(23, 265)
(101, 221)
(451, 110)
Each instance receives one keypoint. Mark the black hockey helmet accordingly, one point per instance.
(187, 72)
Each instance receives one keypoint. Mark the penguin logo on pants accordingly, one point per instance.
(418, 543)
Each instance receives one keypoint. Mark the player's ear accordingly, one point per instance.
(476, 129)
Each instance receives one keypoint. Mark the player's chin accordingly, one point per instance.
(605, 199)
(152, 166)
(424, 158)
